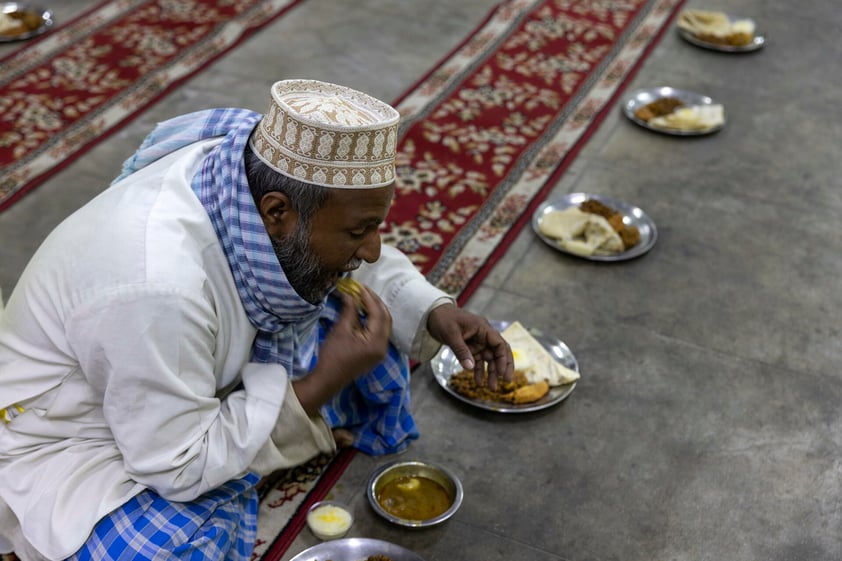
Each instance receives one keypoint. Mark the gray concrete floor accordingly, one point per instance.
(707, 423)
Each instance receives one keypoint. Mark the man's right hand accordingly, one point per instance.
(351, 349)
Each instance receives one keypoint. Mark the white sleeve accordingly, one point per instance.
(151, 355)
(409, 297)
(295, 439)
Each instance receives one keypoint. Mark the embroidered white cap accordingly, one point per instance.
(328, 135)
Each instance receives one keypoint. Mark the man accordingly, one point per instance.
(179, 336)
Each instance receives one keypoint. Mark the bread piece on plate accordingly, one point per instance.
(543, 365)
(582, 233)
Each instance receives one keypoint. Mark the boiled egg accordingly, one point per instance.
(523, 360)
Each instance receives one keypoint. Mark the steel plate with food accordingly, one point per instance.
(545, 373)
(674, 111)
(577, 234)
(357, 549)
(22, 21)
(719, 31)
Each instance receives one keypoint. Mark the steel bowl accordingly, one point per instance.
(415, 468)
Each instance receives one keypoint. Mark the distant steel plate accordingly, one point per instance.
(645, 96)
(44, 19)
(355, 549)
(632, 216)
(445, 364)
(757, 42)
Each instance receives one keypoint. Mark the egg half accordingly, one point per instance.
(523, 361)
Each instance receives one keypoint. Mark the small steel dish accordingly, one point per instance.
(45, 16)
(441, 475)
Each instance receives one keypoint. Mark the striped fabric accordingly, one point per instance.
(220, 525)
(375, 408)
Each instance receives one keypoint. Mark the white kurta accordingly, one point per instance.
(121, 337)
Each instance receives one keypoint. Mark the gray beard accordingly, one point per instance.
(301, 266)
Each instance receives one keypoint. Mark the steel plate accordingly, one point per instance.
(355, 549)
(45, 16)
(632, 216)
(445, 364)
(757, 42)
(645, 96)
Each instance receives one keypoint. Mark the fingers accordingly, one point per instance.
(378, 319)
(493, 357)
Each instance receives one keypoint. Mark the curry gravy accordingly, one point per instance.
(414, 498)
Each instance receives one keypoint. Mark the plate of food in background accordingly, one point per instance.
(673, 111)
(594, 227)
(719, 31)
(22, 21)
(545, 373)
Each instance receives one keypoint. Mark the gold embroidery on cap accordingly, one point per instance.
(317, 129)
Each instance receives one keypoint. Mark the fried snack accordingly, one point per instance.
(630, 235)
(528, 393)
(597, 207)
(736, 39)
(347, 285)
(377, 558)
(657, 108)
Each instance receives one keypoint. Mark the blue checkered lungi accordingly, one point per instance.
(374, 407)
(219, 525)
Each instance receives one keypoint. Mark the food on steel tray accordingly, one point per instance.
(694, 117)
(629, 234)
(657, 108)
(672, 113)
(717, 28)
(534, 360)
(19, 22)
(414, 497)
(536, 371)
(464, 384)
(592, 228)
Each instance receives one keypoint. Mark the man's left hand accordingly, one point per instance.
(477, 345)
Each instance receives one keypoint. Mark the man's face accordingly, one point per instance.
(342, 234)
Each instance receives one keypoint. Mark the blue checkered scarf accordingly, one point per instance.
(376, 406)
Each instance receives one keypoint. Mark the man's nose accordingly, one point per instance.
(369, 251)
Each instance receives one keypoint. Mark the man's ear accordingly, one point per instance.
(277, 213)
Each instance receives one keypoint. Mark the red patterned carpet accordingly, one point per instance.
(69, 89)
(492, 128)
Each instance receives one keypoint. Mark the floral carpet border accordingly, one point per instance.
(466, 184)
(286, 496)
(67, 90)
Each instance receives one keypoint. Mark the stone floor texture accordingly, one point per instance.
(707, 423)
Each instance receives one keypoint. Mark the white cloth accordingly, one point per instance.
(119, 341)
